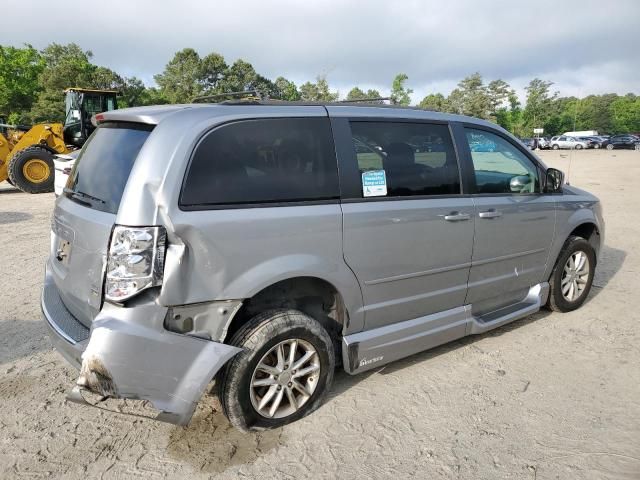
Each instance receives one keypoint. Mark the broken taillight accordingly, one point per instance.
(135, 261)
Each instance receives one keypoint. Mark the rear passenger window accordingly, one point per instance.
(263, 161)
(416, 158)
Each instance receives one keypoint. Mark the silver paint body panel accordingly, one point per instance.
(409, 280)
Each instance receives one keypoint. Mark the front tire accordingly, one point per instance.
(610, 146)
(32, 170)
(578, 147)
(283, 373)
(555, 147)
(572, 276)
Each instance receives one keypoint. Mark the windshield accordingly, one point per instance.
(103, 166)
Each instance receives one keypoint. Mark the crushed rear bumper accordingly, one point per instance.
(128, 354)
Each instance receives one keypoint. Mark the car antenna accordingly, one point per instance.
(575, 119)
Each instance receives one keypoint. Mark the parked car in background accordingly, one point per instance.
(626, 141)
(592, 142)
(530, 143)
(543, 143)
(482, 146)
(598, 140)
(63, 164)
(565, 142)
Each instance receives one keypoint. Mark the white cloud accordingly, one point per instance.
(575, 43)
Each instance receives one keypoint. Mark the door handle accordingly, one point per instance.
(490, 214)
(456, 217)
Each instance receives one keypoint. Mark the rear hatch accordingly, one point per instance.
(85, 214)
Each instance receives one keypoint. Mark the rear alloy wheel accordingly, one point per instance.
(285, 378)
(610, 146)
(31, 170)
(597, 145)
(637, 147)
(282, 374)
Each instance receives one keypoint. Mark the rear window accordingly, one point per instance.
(103, 166)
(262, 161)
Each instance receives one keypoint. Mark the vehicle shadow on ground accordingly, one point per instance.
(212, 445)
(7, 218)
(610, 263)
(21, 338)
(8, 190)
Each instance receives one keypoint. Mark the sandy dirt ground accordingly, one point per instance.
(552, 396)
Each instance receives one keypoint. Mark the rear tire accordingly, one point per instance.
(563, 296)
(32, 170)
(260, 339)
(610, 147)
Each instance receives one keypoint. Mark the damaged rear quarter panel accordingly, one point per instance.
(130, 355)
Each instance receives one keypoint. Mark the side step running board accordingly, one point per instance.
(373, 348)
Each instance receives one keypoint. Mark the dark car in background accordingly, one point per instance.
(625, 141)
(592, 142)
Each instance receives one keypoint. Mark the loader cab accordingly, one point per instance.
(80, 105)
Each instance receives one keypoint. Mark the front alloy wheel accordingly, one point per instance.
(572, 275)
(575, 276)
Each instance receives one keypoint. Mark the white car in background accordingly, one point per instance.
(564, 141)
(63, 164)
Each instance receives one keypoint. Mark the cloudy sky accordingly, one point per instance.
(583, 46)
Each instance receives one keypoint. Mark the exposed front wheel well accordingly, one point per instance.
(310, 295)
(588, 231)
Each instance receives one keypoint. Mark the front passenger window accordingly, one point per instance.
(499, 166)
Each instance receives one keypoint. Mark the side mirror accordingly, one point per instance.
(519, 183)
(554, 180)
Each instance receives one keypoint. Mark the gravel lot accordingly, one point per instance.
(550, 396)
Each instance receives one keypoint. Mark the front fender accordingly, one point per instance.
(571, 215)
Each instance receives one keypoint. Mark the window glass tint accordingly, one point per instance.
(103, 166)
(261, 161)
(417, 158)
(499, 166)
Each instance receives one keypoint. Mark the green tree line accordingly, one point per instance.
(32, 82)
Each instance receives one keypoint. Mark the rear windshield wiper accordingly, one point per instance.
(68, 191)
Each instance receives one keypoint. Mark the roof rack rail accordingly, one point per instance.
(365, 100)
(245, 93)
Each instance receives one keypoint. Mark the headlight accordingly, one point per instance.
(135, 262)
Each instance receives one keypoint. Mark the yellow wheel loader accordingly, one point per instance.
(27, 152)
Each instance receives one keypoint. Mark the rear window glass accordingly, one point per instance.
(263, 161)
(103, 166)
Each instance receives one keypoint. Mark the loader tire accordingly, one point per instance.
(31, 170)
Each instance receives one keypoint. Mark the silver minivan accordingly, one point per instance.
(260, 244)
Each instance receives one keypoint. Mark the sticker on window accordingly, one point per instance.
(374, 183)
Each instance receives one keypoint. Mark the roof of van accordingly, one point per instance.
(156, 113)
